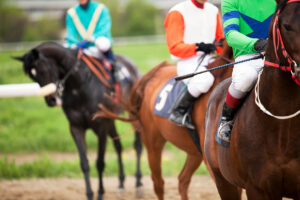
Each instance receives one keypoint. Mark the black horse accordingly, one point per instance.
(80, 92)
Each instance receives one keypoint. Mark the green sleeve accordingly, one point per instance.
(231, 24)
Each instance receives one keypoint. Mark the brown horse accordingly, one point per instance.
(264, 154)
(156, 130)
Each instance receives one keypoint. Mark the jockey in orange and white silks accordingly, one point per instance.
(192, 27)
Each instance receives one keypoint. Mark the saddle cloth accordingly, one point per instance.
(167, 96)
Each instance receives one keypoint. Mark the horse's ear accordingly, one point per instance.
(22, 59)
(35, 54)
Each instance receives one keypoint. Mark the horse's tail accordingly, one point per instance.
(135, 99)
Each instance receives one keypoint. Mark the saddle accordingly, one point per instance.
(103, 70)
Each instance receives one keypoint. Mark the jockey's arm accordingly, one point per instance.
(219, 32)
(231, 21)
(71, 32)
(102, 33)
(174, 25)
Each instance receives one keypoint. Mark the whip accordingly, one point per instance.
(178, 78)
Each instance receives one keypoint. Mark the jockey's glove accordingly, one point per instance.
(206, 48)
(83, 44)
(260, 45)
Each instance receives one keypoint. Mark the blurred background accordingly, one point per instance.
(34, 139)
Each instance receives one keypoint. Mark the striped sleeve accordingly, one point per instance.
(231, 21)
(71, 32)
(103, 28)
(174, 25)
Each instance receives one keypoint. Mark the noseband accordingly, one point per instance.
(278, 42)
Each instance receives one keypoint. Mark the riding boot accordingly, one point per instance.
(179, 114)
(226, 124)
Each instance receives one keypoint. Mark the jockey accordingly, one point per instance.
(88, 26)
(246, 25)
(192, 26)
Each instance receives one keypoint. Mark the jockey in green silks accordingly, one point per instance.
(88, 26)
(246, 26)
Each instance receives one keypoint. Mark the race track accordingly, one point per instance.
(202, 187)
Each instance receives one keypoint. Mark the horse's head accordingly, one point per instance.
(284, 36)
(42, 70)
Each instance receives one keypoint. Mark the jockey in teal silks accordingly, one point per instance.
(88, 26)
(246, 26)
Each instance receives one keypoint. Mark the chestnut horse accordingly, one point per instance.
(156, 131)
(264, 154)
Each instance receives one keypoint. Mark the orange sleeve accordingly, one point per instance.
(219, 32)
(174, 25)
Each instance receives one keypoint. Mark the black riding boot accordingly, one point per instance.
(179, 114)
(226, 124)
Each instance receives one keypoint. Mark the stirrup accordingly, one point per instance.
(187, 122)
(223, 136)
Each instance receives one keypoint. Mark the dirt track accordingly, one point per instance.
(202, 187)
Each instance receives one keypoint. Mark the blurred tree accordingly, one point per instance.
(12, 22)
(140, 18)
(43, 29)
(133, 17)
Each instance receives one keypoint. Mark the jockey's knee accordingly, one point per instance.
(201, 84)
(245, 79)
(103, 44)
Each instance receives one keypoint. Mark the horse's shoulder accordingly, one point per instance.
(219, 91)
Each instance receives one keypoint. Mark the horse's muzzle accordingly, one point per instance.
(53, 100)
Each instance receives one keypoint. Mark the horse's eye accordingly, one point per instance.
(287, 27)
(33, 72)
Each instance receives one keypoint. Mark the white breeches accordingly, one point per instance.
(244, 75)
(200, 83)
(94, 52)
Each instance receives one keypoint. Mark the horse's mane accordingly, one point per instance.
(281, 5)
(46, 49)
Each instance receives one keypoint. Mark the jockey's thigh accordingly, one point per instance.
(200, 83)
(245, 74)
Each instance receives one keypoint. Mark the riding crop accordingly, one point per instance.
(178, 78)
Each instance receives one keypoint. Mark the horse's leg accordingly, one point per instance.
(154, 144)
(254, 194)
(226, 190)
(100, 160)
(117, 144)
(138, 146)
(78, 134)
(191, 164)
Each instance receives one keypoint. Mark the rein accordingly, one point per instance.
(90, 61)
(278, 42)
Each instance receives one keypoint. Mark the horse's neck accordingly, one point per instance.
(278, 90)
(63, 57)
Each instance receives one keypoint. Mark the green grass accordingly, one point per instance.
(28, 125)
(46, 167)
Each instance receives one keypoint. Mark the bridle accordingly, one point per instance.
(60, 84)
(278, 42)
